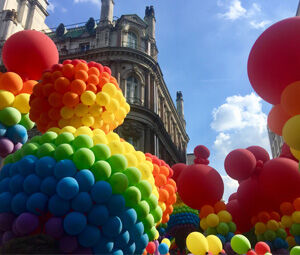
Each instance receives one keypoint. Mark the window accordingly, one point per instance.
(84, 47)
(132, 40)
(132, 90)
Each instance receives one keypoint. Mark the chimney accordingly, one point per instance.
(150, 20)
(179, 103)
(107, 12)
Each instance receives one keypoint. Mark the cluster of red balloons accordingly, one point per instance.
(198, 184)
(263, 183)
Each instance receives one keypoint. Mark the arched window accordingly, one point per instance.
(132, 40)
(133, 90)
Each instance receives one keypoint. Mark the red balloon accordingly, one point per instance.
(151, 247)
(200, 185)
(286, 153)
(177, 169)
(259, 153)
(251, 252)
(232, 196)
(277, 118)
(29, 53)
(240, 164)
(273, 62)
(201, 152)
(262, 248)
(279, 180)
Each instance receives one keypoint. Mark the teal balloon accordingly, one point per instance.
(10, 116)
(240, 244)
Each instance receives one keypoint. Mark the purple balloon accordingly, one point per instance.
(6, 221)
(84, 251)
(281, 252)
(54, 227)
(26, 223)
(17, 147)
(228, 249)
(68, 244)
(6, 147)
(7, 236)
(15, 230)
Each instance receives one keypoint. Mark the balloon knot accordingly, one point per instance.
(201, 161)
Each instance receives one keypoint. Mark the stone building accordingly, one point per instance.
(276, 143)
(128, 46)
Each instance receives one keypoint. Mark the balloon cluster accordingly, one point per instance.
(159, 248)
(14, 109)
(217, 221)
(77, 94)
(166, 186)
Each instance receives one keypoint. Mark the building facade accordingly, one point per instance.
(128, 46)
(276, 143)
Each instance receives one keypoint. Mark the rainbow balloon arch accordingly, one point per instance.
(94, 193)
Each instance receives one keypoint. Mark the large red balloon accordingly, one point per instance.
(274, 60)
(239, 216)
(279, 181)
(29, 53)
(240, 164)
(199, 185)
(177, 169)
(259, 153)
(286, 153)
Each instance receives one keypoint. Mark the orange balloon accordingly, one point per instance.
(172, 199)
(103, 81)
(106, 75)
(62, 85)
(54, 114)
(70, 99)
(169, 209)
(164, 170)
(220, 206)
(163, 195)
(264, 217)
(93, 79)
(169, 188)
(47, 77)
(277, 118)
(94, 70)
(275, 216)
(81, 66)
(286, 208)
(68, 71)
(81, 75)
(56, 75)
(290, 99)
(28, 86)
(160, 180)
(155, 170)
(91, 87)
(173, 183)
(296, 204)
(12, 82)
(78, 86)
(55, 99)
(205, 211)
(165, 218)
(48, 89)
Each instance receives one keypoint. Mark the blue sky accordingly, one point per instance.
(203, 51)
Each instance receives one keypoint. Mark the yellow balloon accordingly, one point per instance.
(224, 216)
(127, 108)
(6, 99)
(84, 131)
(67, 112)
(55, 130)
(116, 147)
(214, 244)
(260, 228)
(98, 131)
(128, 147)
(131, 159)
(88, 120)
(156, 235)
(102, 98)
(63, 123)
(113, 105)
(22, 103)
(203, 224)
(111, 136)
(99, 139)
(166, 241)
(88, 97)
(98, 123)
(110, 89)
(197, 243)
(75, 122)
(212, 220)
(140, 156)
(95, 110)
(290, 132)
(162, 205)
(81, 110)
(272, 225)
(150, 165)
(295, 153)
(296, 217)
(119, 95)
(108, 117)
(69, 129)
(286, 221)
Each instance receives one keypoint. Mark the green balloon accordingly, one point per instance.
(270, 235)
(65, 137)
(142, 209)
(211, 231)
(83, 158)
(152, 201)
(48, 137)
(63, 151)
(26, 122)
(145, 188)
(117, 162)
(17, 156)
(101, 151)
(223, 228)
(295, 229)
(240, 244)
(281, 233)
(151, 233)
(260, 238)
(10, 116)
(47, 149)
(9, 159)
(119, 183)
(148, 222)
(36, 139)
(232, 227)
(157, 213)
(101, 170)
(82, 141)
(133, 174)
(29, 149)
(295, 250)
(132, 196)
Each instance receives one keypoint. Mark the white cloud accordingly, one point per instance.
(235, 10)
(64, 10)
(259, 25)
(51, 7)
(230, 186)
(96, 2)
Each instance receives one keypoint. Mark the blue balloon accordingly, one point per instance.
(37, 203)
(16, 184)
(71, 228)
(5, 202)
(4, 173)
(113, 227)
(98, 215)
(101, 192)
(142, 243)
(82, 202)
(285, 244)
(136, 231)
(17, 134)
(45, 167)
(229, 236)
(116, 205)
(297, 239)
(85, 179)
(90, 236)
(270, 244)
(4, 184)
(128, 218)
(122, 240)
(32, 184)
(222, 238)
(18, 203)
(48, 185)
(27, 164)
(67, 188)
(13, 170)
(2, 130)
(104, 246)
(58, 206)
(130, 249)
(65, 168)
(117, 252)
(163, 248)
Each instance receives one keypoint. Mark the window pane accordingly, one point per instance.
(132, 40)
